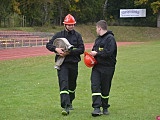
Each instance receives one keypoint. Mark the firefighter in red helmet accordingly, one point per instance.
(68, 72)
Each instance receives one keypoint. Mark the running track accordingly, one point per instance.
(16, 53)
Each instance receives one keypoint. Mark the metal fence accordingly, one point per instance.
(22, 42)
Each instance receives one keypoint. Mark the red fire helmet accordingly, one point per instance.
(69, 20)
(89, 60)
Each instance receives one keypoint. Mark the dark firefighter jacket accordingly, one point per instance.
(74, 39)
(106, 48)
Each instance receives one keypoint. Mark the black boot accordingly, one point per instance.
(65, 111)
(71, 107)
(96, 112)
(105, 112)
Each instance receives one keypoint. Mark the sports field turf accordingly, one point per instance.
(29, 87)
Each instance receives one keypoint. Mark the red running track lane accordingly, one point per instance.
(15, 53)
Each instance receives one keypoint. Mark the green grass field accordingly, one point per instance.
(29, 87)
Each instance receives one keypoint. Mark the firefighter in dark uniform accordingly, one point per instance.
(68, 73)
(104, 51)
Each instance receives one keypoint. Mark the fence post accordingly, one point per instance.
(5, 43)
(22, 42)
(14, 42)
(42, 41)
(29, 42)
(36, 42)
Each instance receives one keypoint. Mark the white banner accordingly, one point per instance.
(132, 13)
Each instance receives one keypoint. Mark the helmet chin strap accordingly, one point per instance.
(66, 28)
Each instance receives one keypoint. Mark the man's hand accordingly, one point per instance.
(65, 54)
(61, 52)
(93, 53)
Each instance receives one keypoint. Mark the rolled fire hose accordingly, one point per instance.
(61, 43)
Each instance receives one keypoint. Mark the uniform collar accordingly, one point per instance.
(69, 32)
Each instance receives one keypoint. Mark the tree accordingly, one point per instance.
(9, 10)
(37, 12)
(104, 8)
(155, 5)
(90, 11)
(15, 7)
(156, 10)
(113, 12)
(5, 8)
(46, 12)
